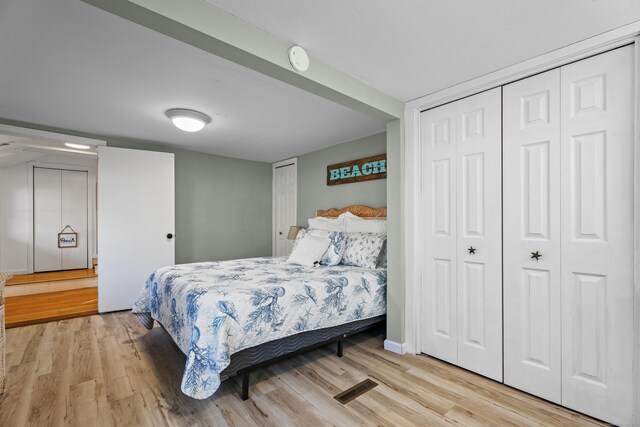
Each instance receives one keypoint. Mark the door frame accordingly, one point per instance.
(413, 268)
(292, 161)
(92, 213)
(23, 131)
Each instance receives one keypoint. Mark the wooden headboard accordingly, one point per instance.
(359, 210)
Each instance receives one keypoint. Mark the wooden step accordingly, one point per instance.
(51, 276)
(49, 306)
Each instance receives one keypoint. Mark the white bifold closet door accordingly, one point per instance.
(568, 197)
(597, 105)
(531, 153)
(59, 199)
(462, 321)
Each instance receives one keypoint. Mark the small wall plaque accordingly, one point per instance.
(69, 239)
(366, 169)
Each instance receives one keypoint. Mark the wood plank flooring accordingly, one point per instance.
(109, 370)
(51, 276)
(43, 307)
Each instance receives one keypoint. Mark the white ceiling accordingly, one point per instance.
(410, 48)
(66, 64)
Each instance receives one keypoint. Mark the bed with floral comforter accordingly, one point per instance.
(215, 309)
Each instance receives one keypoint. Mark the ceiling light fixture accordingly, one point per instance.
(188, 120)
(77, 146)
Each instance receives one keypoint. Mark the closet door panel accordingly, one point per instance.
(47, 187)
(479, 239)
(439, 323)
(531, 210)
(75, 214)
(597, 241)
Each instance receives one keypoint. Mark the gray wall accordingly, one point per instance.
(313, 191)
(395, 233)
(223, 205)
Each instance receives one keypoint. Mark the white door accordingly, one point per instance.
(135, 222)
(285, 205)
(479, 233)
(75, 213)
(59, 199)
(440, 308)
(47, 219)
(462, 320)
(531, 168)
(597, 239)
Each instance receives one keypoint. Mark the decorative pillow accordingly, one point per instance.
(328, 224)
(363, 249)
(309, 250)
(336, 249)
(355, 224)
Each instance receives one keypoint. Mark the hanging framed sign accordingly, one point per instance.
(68, 239)
(365, 169)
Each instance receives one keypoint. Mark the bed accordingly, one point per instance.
(232, 317)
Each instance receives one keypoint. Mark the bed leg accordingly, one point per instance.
(244, 394)
(340, 347)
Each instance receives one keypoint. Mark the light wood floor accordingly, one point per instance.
(44, 307)
(109, 370)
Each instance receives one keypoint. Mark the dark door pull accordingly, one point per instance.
(169, 236)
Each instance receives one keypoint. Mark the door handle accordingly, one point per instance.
(472, 250)
(169, 236)
(280, 233)
(536, 255)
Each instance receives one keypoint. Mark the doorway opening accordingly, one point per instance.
(48, 218)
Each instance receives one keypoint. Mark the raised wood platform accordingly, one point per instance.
(51, 276)
(48, 306)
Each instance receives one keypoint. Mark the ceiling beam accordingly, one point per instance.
(207, 27)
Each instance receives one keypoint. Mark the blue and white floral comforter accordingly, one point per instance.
(215, 309)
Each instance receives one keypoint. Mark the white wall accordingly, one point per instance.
(16, 208)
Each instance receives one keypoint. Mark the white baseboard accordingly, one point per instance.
(395, 347)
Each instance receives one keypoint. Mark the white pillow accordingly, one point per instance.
(355, 224)
(327, 224)
(309, 250)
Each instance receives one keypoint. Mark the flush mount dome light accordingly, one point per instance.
(77, 146)
(188, 120)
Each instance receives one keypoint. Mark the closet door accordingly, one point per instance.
(75, 213)
(47, 214)
(531, 170)
(439, 324)
(462, 288)
(597, 239)
(479, 233)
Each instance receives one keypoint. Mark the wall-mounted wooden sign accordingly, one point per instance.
(367, 169)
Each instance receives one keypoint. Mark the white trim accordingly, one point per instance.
(395, 347)
(91, 214)
(274, 166)
(636, 245)
(580, 50)
(52, 136)
(413, 176)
